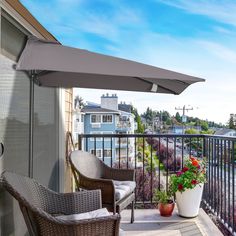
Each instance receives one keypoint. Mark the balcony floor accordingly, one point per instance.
(148, 222)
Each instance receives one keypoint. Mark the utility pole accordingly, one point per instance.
(184, 109)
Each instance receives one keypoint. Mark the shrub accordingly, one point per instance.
(144, 182)
(166, 156)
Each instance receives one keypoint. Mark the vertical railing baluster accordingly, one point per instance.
(214, 177)
(209, 169)
(228, 199)
(212, 174)
(95, 146)
(135, 164)
(103, 149)
(151, 183)
(182, 156)
(111, 152)
(86, 144)
(233, 195)
(167, 162)
(119, 152)
(159, 164)
(143, 171)
(218, 178)
(80, 142)
(221, 178)
(135, 153)
(198, 147)
(190, 146)
(225, 190)
(127, 153)
(175, 163)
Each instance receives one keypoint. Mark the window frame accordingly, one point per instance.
(107, 115)
(97, 115)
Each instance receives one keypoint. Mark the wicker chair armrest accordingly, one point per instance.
(105, 185)
(119, 174)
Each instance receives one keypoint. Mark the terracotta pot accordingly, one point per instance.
(188, 202)
(166, 209)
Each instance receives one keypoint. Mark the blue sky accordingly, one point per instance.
(188, 36)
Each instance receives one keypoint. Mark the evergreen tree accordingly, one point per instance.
(178, 117)
(137, 118)
(78, 102)
(232, 122)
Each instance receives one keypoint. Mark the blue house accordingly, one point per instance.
(109, 117)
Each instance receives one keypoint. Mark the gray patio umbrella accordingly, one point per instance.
(60, 66)
(54, 65)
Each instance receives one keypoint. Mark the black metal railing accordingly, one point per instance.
(156, 156)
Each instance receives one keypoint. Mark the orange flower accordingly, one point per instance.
(195, 163)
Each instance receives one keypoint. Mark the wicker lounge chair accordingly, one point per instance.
(92, 173)
(41, 207)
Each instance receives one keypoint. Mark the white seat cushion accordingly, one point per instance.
(86, 215)
(123, 188)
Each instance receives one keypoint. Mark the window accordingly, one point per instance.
(107, 118)
(82, 118)
(95, 118)
(98, 152)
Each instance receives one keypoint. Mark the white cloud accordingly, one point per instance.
(227, 54)
(220, 10)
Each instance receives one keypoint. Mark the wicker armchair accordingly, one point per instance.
(40, 206)
(91, 173)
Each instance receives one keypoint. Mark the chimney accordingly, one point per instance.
(109, 102)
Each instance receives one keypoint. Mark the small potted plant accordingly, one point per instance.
(165, 202)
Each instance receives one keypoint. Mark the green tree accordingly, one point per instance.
(178, 117)
(78, 102)
(137, 118)
(191, 131)
(204, 125)
(231, 122)
(168, 122)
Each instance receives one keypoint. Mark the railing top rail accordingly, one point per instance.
(220, 137)
(143, 135)
(158, 136)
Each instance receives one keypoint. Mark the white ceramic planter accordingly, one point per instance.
(188, 202)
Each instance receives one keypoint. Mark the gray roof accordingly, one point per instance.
(124, 107)
(223, 131)
(98, 110)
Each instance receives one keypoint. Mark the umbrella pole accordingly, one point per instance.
(31, 122)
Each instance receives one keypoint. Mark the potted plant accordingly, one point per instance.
(187, 185)
(165, 202)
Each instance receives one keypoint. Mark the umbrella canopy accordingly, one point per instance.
(60, 66)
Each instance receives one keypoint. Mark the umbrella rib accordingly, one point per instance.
(151, 83)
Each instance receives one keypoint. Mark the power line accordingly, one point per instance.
(184, 109)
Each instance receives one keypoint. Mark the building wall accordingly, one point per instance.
(69, 184)
(101, 128)
(50, 121)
